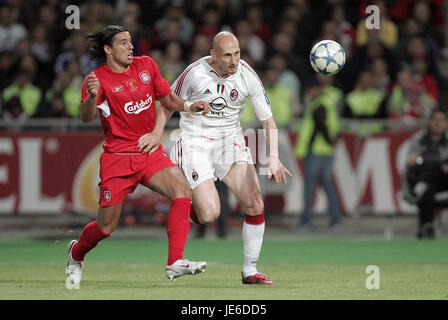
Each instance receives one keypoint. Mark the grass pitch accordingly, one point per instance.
(301, 269)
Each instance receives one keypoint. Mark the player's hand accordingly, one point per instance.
(92, 85)
(200, 106)
(148, 143)
(277, 170)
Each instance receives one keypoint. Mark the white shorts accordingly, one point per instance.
(202, 158)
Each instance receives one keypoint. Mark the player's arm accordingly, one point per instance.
(150, 142)
(88, 107)
(174, 103)
(275, 168)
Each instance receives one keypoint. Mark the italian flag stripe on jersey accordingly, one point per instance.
(220, 88)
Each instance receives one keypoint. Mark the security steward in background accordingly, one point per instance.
(427, 169)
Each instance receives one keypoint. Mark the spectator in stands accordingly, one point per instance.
(420, 70)
(288, 79)
(174, 63)
(254, 16)
(363, 58)
(253, 44)
(176, 13)
(29, 95)
(366, 102)
(331, 91)
(387, 34)
(140, 40)
(344, 30)
(409, 101)
(211, 21)
(200, 47)
(284, 108)
(11, 32)
(427, 169)
(380, 75)
(76, 50)
(67, 87)
(6, 68)
(315, 145)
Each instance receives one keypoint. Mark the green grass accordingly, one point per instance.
(301, 269)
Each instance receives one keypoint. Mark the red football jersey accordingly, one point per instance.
(127, 102)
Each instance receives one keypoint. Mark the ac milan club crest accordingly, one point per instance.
(145, 77)
(194, 175)
(233, 94)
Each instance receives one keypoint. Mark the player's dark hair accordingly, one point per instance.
(439, 110)
(98, 40)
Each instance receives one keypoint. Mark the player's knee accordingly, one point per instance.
(208, 214)
(182, 191)
(253, 205)
(107, 225)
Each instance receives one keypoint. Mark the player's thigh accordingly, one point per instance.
(206, 201)
(109, 216)
(243, 181)
(171, 183)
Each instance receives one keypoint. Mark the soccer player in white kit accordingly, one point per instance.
(212, 147)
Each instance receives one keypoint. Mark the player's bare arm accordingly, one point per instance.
(150, 142)
(88, 107)
(275, 167)
(173, 102)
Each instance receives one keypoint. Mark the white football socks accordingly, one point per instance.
(252, 241)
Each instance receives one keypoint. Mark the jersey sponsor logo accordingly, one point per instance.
(137, 107)
(116, 89)
(131, 84)
(233, 94)
(145, 77)
(207, 92)
(218, 104)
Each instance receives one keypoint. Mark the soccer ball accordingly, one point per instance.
(327, 57)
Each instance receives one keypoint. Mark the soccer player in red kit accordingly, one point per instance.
(124, 89)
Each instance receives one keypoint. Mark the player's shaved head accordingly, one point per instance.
(223, 38)
(225, 53)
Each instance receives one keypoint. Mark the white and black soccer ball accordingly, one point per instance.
(327, 57)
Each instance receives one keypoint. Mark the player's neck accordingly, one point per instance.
(116, 66)
(215, 67)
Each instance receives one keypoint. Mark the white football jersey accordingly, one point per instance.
(226, 95)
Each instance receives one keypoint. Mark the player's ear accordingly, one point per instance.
(213, 53)
(107, 49)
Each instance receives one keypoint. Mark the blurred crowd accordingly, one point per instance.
(395, 72)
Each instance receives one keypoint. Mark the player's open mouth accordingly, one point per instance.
(130, 55)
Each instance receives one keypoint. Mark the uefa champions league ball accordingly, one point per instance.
(327, 57)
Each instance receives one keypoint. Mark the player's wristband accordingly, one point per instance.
(187, 105)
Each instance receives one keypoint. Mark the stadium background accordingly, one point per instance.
(49, 158)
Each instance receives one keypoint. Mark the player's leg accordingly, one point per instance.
(193, 157)
(242, 180)
(206, 204)
(90, 236)
(171, 183)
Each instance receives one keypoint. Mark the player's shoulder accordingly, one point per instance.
(192, 69)
(246, 69)
(98, 72)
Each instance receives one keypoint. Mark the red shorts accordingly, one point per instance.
(121, 173)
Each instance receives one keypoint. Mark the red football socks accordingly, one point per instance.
(90, 236)
(254, 219)
(177, 228)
